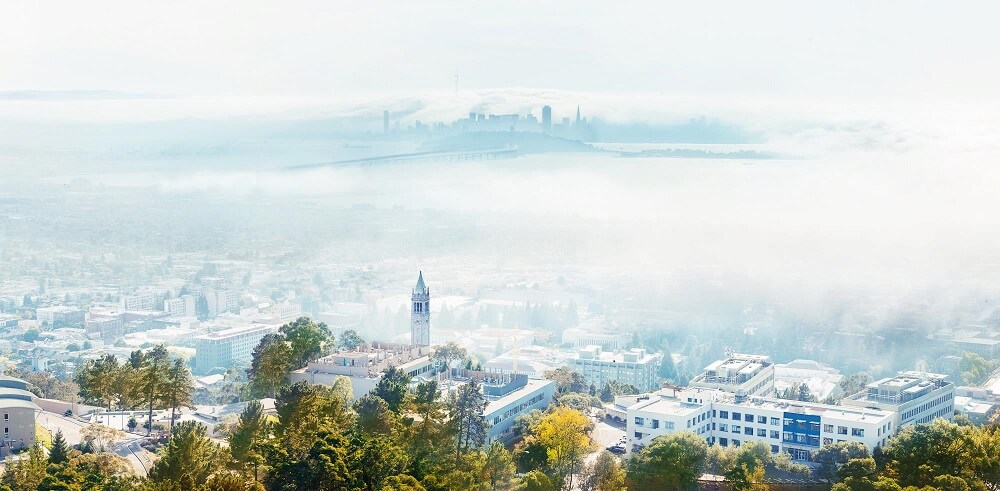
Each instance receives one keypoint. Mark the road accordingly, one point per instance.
(128, 448)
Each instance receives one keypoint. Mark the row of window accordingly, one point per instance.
(925, 406)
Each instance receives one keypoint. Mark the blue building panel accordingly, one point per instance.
(801, 429)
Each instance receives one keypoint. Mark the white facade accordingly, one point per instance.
(183, 306)
(143, 300)
(222, 301)
(228, 347)
(916, 397)
(822, 380)
(743, 374)
(503, 409)
(365, 367)
(635, 367)
(792, 427)
(420, 313)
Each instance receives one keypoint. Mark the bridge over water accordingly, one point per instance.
(451, 155)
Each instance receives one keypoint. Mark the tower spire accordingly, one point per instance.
(420, 313)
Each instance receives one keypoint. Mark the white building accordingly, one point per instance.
(183, 306)
(228, 347)
(722, 418)
(364, 367)
(60, 315)
(916, 397)
(222, 301)
(509, 396)
(796, 428)
(822, 380)
(142, 300)
(635, 367)
(743, 374)
(19, 413)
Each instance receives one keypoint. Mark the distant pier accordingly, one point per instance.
(446, 155)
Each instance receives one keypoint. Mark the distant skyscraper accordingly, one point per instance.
(385, 121)
(420, 313)
(578, 115)
(546, 119)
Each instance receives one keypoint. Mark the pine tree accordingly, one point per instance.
(60, 450)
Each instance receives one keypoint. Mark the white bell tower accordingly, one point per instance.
(420, 313)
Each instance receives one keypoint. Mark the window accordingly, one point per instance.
(737, 416)
(787, 436)
(669, 425)
(748, 418)
(827, 441)
(774, 449)
(656, 424)
(841, 430)
(775, 422)
(640, 421)
(638, 435)
(737, 429)
(736, 443)
(762, 420)
(775, 434)
(827, 428)
(857, 432)
(747, 430)
(761, 432)
(723, 442)
(724, 414)
(723, 427)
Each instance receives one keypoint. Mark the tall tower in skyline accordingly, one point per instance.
(547, 119)
(420, 313)
(578, 115)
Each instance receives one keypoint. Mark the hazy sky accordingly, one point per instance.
(904, 49)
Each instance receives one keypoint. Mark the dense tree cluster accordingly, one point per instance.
(149, 379)
(293, 347)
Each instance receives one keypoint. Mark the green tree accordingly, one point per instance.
(323, 468)
(178, 388)
(671, 463)
(567, 380)
(831, 457)
(393, 388)
(605, 474)
(26, 474)
(152, 377)
(536, 481)
(248, 437)
(466, 417)
(98, 381)
(60, 450)
(498, 468)
(269, 366)
(303, 411)
(350, 340)
(189, 458)
(308, 340)
(448, 354)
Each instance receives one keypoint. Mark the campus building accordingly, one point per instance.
(742, 374)
(19, 413)
(636, 367)
(365, 366)
(228, 347)
(792, 427)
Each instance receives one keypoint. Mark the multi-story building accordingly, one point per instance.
(916, 397)
(365, 366)
(60, 315)
(635, 367)
(143, 300)
(19, 413)
(222, 301)
(509, 396)
(182, 306)
(228, 347)
(792, 427)
(742, 374)
(822, 380)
